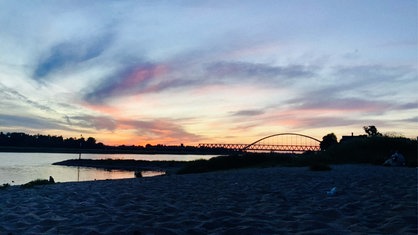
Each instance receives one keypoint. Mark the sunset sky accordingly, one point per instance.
(171, 72)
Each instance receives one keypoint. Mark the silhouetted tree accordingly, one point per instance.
(91, 142)
(328, 141)
(4, 140)
(371, 131)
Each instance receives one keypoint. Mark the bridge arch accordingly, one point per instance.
(248, 147)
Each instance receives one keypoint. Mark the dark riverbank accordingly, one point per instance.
(14, 149)
(119, 150)
(129, 165)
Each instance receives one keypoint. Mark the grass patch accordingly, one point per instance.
(37, 182)
(4, 186)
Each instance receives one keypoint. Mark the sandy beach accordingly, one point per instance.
(368, 200)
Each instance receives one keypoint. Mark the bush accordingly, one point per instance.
(372, 150)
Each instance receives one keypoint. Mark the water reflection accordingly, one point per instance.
(152, 173)
(20, 168)
(87, 173)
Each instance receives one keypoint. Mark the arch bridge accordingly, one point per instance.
(283, 142)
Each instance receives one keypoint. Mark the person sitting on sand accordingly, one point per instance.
(396, 159)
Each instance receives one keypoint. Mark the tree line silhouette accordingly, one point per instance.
(18, 141)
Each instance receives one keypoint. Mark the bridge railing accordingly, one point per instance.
(282, 148)
(263, 147)
(297, 143)
(226, 146)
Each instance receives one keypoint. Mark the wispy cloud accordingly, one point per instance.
(407, 106)
(137, 78)
(150, 130)
(160, 129)
(339, 104)
(306, 122)
(67, 55)
(90, 121)
(12, 94)
(30, 123)
(258, 71)
(363, 88)
(248, 112)
(411, 120)
(376, 73)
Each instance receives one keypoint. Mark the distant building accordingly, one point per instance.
(352, 137)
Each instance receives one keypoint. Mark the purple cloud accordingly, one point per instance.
(160, 129)
(69, 54)
(130, 80)
(90, 121)
(253, 70)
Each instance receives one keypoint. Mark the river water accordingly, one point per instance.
(20, 168)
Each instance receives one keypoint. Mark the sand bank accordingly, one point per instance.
(125, 164)
(369, 199)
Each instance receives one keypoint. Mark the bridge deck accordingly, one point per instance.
(264, 147)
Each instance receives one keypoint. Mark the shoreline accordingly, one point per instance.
(124, 164)
(277, 200)
(112, 150)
